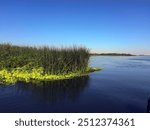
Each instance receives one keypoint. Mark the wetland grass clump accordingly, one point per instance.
(24, 63)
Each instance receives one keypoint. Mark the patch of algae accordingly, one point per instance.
(19, 74)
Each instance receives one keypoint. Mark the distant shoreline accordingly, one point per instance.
(111, 54)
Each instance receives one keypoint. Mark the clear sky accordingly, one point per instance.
(101, 25)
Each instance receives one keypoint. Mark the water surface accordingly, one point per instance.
(123, 86)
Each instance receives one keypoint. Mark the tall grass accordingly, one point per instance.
(52, 60)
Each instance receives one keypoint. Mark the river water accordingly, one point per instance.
(122, 86)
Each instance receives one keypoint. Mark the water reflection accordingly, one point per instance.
(54, 91)
(148, 105)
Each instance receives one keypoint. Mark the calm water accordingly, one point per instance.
(123, 86)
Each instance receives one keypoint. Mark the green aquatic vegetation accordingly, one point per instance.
(91, 69)
(20, 74)
(53, 60)
(24, 63)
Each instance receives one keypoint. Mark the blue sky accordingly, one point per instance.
(101, 25)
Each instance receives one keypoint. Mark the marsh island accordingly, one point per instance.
(25, 63)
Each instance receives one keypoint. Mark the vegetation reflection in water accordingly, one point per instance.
(54, 91)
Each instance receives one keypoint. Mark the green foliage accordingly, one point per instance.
(31, 63)
(53, 60)
(36, 74)
(90, 69)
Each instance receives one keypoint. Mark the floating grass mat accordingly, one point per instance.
(23, 63)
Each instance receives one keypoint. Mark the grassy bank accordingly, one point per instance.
(23, 63)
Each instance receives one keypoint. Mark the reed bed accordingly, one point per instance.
(24, 63)
(52, 60)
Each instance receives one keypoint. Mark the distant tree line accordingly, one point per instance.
(110, 54)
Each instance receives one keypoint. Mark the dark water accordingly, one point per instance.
(123, 86)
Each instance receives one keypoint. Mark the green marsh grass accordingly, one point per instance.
(24, 63)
